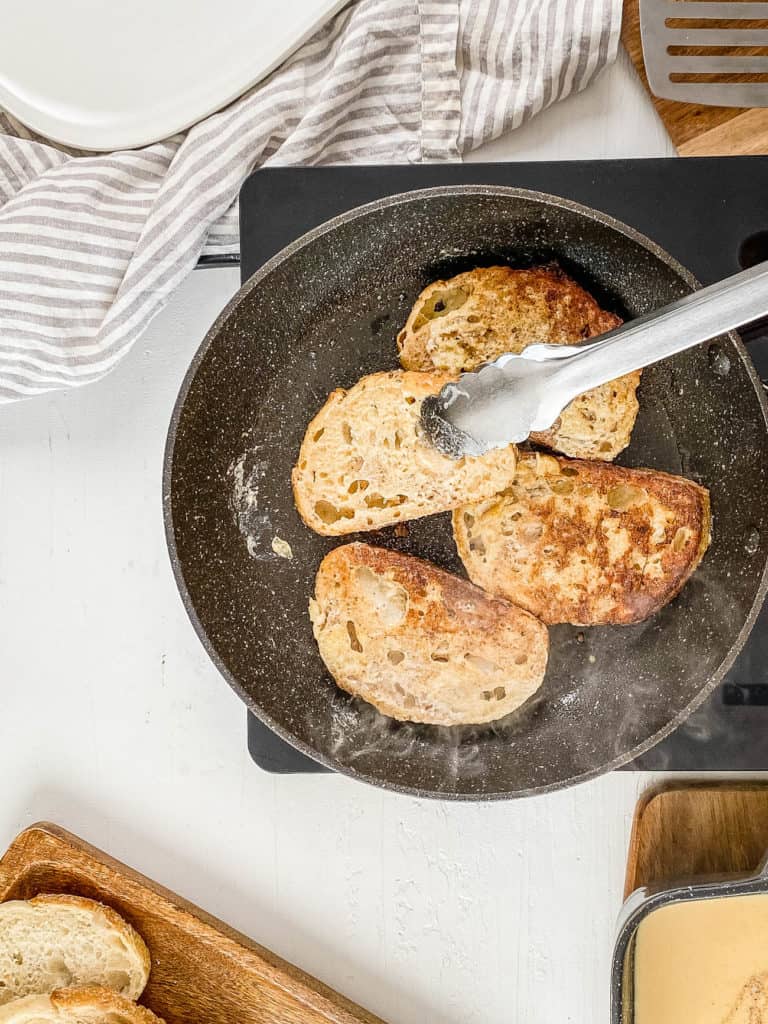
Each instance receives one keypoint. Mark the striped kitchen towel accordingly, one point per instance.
(93, 245)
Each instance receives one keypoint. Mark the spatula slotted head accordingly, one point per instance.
(706, 53)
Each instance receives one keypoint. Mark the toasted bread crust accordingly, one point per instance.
(89, 1005)
(500, 309)
(420, 644)
(492, 310)
(584, 542)
(74, 1002)
(364, 464)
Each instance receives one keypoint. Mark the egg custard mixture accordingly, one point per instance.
(703, 962)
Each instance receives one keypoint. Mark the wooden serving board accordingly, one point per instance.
(203, 972)
(699, 130)
(681, 830)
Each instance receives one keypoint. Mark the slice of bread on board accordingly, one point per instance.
(76, 1006)
(364, 462)
(475, 317)
(585, 542)
(420, 644)
(56, 942)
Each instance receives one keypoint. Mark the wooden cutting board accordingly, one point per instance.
(203, 972)
(699, 130)
(682, 830)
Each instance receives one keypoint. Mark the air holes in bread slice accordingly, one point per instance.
(388, 600)
(409, 701)
(440, 303)
(118, 981)
(480, 664)
(376, 500)
(497, 693)
(562, 487)
(395, 657)
(624, 496)
(329, 513)
(477, 546)
(530, 532)
(61, 974)
(680, 539)
(354, 640)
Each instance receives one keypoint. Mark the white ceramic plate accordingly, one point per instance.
(110, 74)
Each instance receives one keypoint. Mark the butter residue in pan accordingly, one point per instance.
(282, 547)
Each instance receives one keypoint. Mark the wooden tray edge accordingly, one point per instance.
(659, 789)
(43, 843)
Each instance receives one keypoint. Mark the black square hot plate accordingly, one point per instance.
(710, 213)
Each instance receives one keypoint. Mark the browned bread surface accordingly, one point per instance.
(477, 316)
(91, 1005)
(585, 542)
(420, 644)
(364, 462)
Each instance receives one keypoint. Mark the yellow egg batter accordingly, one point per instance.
(703, 962)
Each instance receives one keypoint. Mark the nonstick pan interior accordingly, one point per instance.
(324, 312)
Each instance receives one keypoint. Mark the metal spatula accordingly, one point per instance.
(663, 26)
(506, 400)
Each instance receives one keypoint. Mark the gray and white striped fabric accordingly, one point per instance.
(92, 246)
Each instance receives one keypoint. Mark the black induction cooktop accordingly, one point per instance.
(710, 213)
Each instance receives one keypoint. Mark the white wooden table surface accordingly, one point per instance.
(116, 725)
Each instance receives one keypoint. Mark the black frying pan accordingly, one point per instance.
(325, 311)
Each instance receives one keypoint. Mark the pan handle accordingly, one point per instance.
(224, 259)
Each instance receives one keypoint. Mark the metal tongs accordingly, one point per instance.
(503, 402)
